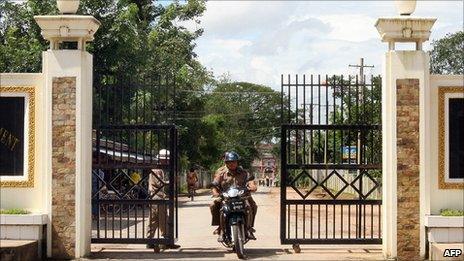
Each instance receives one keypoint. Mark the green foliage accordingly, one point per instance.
(447, 55)
(356, 104)
(361, 103)
(451, 212)
(14, 211)
(21, 44)
(244, 115)
(144, 42)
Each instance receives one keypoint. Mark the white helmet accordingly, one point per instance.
(163, 154)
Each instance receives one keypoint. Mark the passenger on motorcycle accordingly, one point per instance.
(232, 174)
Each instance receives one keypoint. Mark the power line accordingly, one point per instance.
(230, 92)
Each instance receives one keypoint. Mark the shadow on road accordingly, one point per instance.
(195, 205)
(148, 254)
(187, 253)
(263, 253)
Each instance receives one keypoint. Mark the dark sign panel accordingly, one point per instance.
(456, 138)
(11, 136)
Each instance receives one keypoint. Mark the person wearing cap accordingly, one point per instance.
(233, 174)
(157, 184)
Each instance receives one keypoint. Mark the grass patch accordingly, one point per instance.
(451, 212)
(14, 211)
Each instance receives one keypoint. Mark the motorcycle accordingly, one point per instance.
(191, 192)
(233, 209)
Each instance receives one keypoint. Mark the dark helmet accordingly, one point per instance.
(231, 156)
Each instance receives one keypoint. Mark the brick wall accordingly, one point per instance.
(63, 167)
(407, 106)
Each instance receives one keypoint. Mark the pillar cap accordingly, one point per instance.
(405, 29)
(74, 28)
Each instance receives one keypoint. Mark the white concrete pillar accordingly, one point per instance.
(411, 64)
(75, 65)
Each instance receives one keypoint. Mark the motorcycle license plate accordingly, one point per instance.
(238, 205)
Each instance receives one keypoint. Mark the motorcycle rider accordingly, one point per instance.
(192, 180)
(232, 174)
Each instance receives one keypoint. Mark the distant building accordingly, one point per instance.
(266, 164)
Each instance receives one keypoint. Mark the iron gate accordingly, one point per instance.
(134, 139)
(331, 160)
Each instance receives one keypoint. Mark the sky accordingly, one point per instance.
(257, 41)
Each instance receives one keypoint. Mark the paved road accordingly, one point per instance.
(198, 242)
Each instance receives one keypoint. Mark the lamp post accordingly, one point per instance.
(405, 7)
(67, 6)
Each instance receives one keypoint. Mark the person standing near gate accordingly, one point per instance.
(157, 185)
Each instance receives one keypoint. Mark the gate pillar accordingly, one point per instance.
(67, 75)
(404, 106)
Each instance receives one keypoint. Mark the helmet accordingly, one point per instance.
(163, 154)
(231, 156)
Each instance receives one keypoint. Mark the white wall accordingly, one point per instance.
(440, 198)
(58, 63)
(31, 199)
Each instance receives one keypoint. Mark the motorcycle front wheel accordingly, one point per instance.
(237, 237)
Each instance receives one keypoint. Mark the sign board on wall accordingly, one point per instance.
(11, 136)
(349, 152)
(456, 138)
(17, 136)
(451, 137)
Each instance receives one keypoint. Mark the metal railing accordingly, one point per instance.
(330, 160)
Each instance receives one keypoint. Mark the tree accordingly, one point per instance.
(245, 115)
(447, 54)
(21, 44)
(355, 104)
(140, 44)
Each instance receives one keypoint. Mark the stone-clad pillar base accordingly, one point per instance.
(408, 179)
(68, 84)
(63, 167)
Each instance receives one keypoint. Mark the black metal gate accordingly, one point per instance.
(331, 160)
(134, 139)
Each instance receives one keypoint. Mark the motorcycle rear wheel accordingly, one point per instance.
(237, 234)
(191, 193)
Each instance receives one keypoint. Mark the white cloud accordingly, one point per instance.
(351, 27)
(232, 18)
(258, 41)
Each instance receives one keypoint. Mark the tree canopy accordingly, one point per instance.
(244, 115)
(146, 41)
(447, 54)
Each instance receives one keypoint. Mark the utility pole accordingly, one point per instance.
(361, 67)
(361, 81)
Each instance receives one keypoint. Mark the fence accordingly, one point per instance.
(204, 179)
(336, 184)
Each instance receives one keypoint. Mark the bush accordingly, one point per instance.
(451, 212)
(14, 211)
(183, 188)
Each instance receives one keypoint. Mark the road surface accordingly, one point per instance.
(198, 243)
